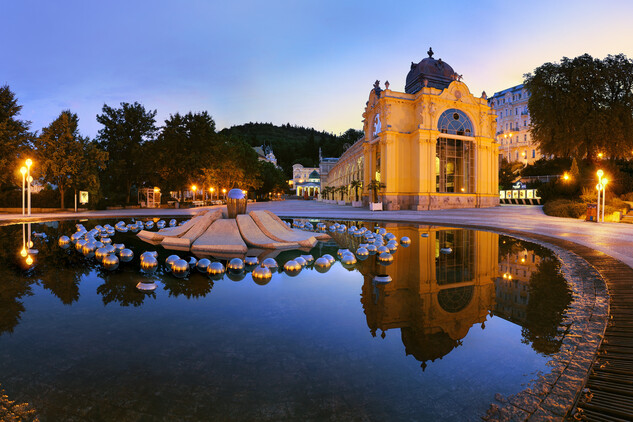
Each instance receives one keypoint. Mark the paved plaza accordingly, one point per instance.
(614, 239)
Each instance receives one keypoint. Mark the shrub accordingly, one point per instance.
(565, 208)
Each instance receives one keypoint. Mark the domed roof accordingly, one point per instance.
(436, 73)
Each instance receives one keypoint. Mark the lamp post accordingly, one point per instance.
(211, 190)
(604, 196)
(224, 193)
(599, 188)
(29, 179)
(193, 188)
(23, 171)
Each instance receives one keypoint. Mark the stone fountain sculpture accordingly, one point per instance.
(214, 232)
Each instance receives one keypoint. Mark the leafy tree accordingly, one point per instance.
(67, 159)
(582, 106)
(14, 134)
(186, 145)
(356, 184)
(272, 178)
(125, 132)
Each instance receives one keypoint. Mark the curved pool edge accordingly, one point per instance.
(553, 396)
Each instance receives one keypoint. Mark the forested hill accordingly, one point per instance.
(294, 144)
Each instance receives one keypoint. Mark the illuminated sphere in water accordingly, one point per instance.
(101, 253)
(192, 262)
(80, 244)
(118, 247)
(235, 266)
(110, 231)
(329, 257)
(308, 258)
(372, 249)
(63, 242)
(393, 246)
(262, 273)
(382, 279)
(215, 268)
(202, 265)
(348, 259)
(146, 254)
(89, 249)
(322, 264)
(405, 241)
(362, 253)
(172, 223)
(292, 268)
(180, 268)
(106, 240)
(390, 236)
(382, 231)
(169, 262)
(270, 263)
(110, 262)
(301, 261)
(340, 252)
(149, 264)
(126, 255)
(139, 225)
(251, 261)
(160, 224)
(382, 249)
(75, 237)
(149, 224)
(385, 258)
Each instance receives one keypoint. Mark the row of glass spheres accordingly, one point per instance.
(109, 254)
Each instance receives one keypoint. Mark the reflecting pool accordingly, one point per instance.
(466, 316)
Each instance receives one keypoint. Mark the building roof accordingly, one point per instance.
(516, 88)
(429, 72)
(314, 175)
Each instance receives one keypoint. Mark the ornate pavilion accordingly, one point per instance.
(432, 146)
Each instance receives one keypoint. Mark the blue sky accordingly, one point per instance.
(310, 63)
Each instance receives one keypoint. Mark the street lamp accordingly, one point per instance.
(29, 179)
(23, 171)
(193, 188)
(224, 193)
(211, 190)
(566, 176)
(600, 188)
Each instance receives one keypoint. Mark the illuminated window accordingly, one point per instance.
(455, 122)
(454, 166)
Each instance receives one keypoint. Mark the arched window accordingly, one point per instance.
(455, 122)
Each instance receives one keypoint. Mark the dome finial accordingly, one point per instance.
(430, 52)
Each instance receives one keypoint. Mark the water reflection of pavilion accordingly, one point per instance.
(434, 298)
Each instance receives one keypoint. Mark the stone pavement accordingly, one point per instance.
(614, 239)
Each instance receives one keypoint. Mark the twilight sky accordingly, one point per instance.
(310, 63)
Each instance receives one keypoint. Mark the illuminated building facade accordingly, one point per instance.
(513, 125)
(432, 146)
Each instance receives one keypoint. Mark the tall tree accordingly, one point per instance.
(14, 134)
(186, 145)
(68, 159)
(582, 106)
(125, 131)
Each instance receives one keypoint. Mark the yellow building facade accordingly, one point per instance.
(432, 146)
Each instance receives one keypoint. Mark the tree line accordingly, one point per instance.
(129, 152)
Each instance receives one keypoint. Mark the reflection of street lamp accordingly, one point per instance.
(23, 171)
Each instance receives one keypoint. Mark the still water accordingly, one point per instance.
(448, 333)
